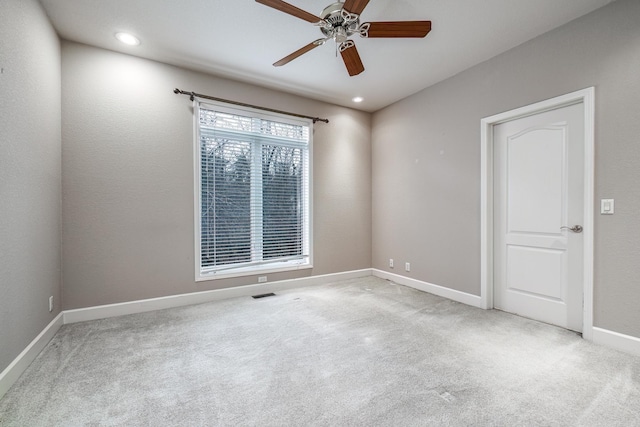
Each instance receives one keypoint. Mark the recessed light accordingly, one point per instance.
(127, 38)
(358, 99)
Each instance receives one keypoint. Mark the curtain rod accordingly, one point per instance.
(193, 95)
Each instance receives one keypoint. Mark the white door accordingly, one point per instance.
(538, 197)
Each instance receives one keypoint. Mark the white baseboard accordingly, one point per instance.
(12, 372)
(618, 341)
(452, 294)
(141, 306)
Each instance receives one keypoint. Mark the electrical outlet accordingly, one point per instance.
(262, 279)
(407, 266)
(390, 262)
(50, 304)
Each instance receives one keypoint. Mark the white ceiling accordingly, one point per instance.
(240, 39)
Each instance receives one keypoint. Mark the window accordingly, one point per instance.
(253, 192)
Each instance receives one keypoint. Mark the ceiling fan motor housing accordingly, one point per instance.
(341, 25)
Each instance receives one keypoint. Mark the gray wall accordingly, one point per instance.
(29, 175)
(426, 158)
(128, 228)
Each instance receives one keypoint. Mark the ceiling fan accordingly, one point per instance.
(339, 21)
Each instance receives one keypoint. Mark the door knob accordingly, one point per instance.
(575, 228)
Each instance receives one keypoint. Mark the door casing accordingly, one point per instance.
(586, 97)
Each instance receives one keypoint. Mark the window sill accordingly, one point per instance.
(250, 271)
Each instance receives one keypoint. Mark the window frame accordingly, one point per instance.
(267, 267)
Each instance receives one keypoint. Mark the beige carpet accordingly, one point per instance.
(364, 352)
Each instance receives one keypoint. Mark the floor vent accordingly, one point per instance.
(270, 294)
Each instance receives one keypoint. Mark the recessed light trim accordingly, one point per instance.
(358, 99)
(128, 39)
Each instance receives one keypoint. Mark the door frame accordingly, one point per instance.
(587, 98)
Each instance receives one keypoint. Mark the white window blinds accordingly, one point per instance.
(253, 191)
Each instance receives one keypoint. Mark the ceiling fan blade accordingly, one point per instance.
(299, 52)
(291, 10)
(352, 59)
(355, 6)
(398, 29)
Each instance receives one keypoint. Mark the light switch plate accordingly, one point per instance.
(606, 206)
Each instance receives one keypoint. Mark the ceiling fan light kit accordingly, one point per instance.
(339, 21)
